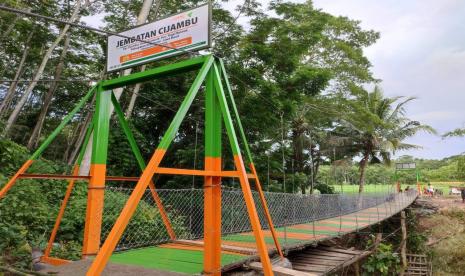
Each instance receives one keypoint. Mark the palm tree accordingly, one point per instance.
(458, 132)
(373, 127)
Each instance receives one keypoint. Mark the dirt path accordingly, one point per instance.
(444, 229)
(448, 202)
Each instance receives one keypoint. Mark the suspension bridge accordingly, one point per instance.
(203, 231)
(197, 231)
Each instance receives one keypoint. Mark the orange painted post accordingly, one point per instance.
(267, 211)
(46, 258)
(212, 184)
(96, 185)
(69, 189)
(249, 156)
(253, 215)
(398, 186)
(243, 179)
(13, 179)
(121, 223)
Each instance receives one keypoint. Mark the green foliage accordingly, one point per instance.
(382, 262)
(14, 247)
(374, 127)
(416, 239)
(461, 168)
(324, 188)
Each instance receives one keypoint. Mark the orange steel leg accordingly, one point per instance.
(48, 249)
(267, 212)
(162, 210)
(13, 179)
(95, 199)
(254, 220)
(120, 225)
(212, 218)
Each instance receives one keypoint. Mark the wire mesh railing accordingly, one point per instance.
(185, 211)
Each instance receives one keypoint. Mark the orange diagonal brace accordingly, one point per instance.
(163, 214)
(120, 225)
(69, 189)
(253, 216)
(13, 179)
(267, 212)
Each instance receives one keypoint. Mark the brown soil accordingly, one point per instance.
(80, 268)
(448, 202)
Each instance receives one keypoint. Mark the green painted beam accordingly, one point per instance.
(236, 112)
(127, 131)
(63, 123)
(158, 72)
(101, 126)
(212, 119)
(182, 111)
(225, 111)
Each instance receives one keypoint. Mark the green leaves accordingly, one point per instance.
(383, 262)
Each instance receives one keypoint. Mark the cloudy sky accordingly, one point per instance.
(421, 53)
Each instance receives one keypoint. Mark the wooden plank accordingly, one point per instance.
(311, 268)
(319, 257)
(310, 264)
(318, 260)
(280, 271)
(325, 267)
(340, 250)
(418, 268)
(319, 252)
(313, 261)
(326, 253)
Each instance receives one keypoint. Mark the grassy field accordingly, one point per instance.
(370, 188)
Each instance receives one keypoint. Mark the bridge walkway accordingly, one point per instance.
(237, 249)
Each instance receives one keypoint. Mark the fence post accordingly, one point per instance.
(403, 249)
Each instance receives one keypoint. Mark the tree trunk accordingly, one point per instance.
(11, 90)
(363, 165)
(35, 136)
(73, 137)
(82, 134)
(135, 94)
(141, 18)
(14, 115)
(135, 91)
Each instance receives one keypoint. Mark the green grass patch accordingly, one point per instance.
(168, 259)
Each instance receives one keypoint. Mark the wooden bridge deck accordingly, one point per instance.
(187, 256)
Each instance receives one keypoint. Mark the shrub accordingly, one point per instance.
(383, 262)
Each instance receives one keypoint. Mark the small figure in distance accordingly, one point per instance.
(462, 193)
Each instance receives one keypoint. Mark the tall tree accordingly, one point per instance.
(19, 71)
(374, 127)
(40, 70)
(49, 95)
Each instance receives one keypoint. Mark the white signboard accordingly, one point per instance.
(405, 166)
(188, 30)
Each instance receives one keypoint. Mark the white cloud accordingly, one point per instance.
(421, 53)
